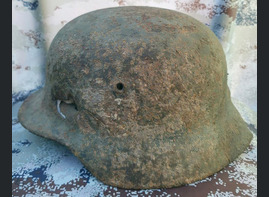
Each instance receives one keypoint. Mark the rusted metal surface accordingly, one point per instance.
(44, 168)
(146, 98)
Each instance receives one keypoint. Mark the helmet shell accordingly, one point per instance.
(145, 96)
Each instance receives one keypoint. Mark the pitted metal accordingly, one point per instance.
(145, 98)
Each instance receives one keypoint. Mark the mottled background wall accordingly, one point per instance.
(36, 22)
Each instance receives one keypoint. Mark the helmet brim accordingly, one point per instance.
(39, 115)
(143, 161)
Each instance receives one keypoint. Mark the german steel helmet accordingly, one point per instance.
(140, 96)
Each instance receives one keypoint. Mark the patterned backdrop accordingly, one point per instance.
(41, 167)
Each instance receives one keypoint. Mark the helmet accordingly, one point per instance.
(140, 96)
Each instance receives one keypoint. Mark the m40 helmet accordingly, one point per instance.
(140, 96)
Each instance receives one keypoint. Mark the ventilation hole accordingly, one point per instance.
(120, 86)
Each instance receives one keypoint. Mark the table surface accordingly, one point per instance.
(42, 167)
